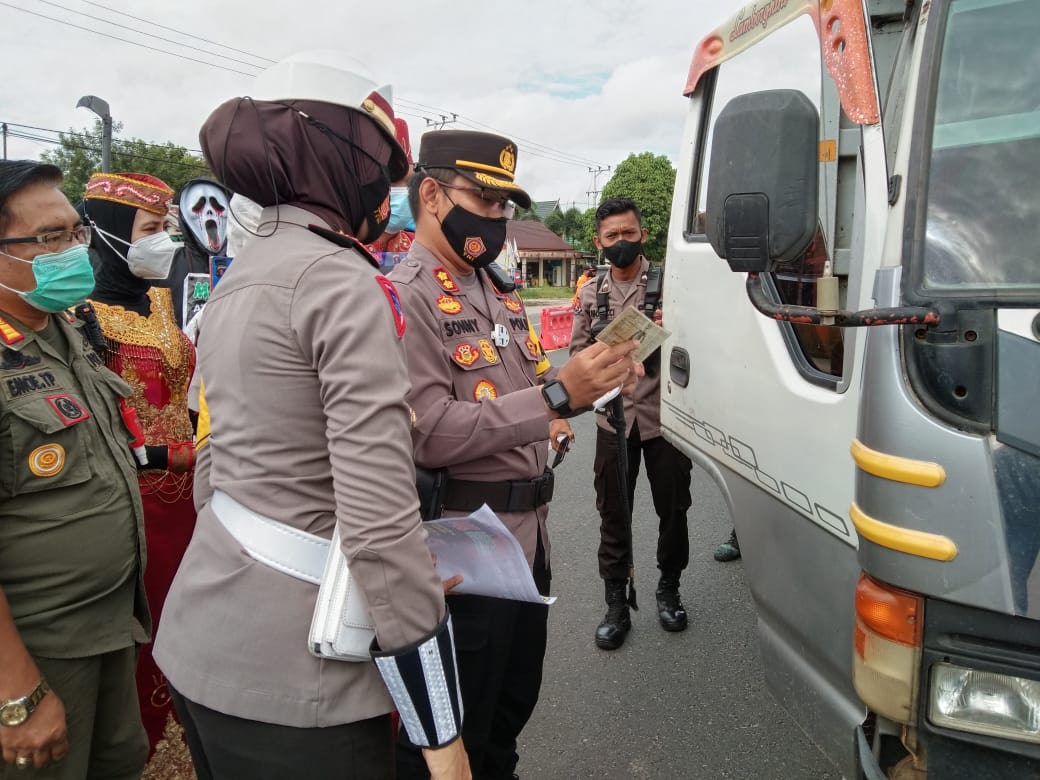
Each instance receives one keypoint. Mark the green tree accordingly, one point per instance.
(588, 231)
(79, 155)
(567, 225)
(648, 179)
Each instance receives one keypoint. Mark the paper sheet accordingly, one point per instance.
(633, 324)
(489, 558)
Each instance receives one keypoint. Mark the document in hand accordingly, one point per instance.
(486, 554)
(633, 324)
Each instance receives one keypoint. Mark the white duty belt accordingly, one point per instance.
(280, 546)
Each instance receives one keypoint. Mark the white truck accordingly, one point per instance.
(852, 282)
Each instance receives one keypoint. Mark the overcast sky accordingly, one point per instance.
(576, 83)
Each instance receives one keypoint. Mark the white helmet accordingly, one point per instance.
(331, 76)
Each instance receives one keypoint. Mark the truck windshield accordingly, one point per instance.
(983, 217)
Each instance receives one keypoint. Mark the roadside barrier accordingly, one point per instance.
(556, 326)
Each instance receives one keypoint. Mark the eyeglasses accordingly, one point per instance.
(55, 240)
(490, 197)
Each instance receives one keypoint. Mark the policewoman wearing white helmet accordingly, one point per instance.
(305, 381)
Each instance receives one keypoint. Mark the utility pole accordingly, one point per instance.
(439, 124)
(100, 107)
(594, 192)
(5, 140)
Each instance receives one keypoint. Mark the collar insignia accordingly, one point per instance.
(445, 279)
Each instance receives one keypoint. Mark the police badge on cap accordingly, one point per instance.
(486, 159)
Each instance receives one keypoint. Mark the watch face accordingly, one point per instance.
(555, 395)
(13, 714)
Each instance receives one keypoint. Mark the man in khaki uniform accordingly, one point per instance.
(619, 233)
(481, 413)
(72, 605)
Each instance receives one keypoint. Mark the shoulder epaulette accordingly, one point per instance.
(9, 333)
(343, 240)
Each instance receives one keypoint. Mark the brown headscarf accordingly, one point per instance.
(270, 153)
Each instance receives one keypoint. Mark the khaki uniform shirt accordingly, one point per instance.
(478, 405)
(644, 405)
(305, 383)
(72, 542)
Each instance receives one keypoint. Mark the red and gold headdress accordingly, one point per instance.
(131, 189)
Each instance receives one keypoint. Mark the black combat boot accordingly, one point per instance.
(670, 609)
(610, 634)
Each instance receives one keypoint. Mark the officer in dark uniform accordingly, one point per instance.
(72, 604)
(482, 410)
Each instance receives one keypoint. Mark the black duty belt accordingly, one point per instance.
(506, 496)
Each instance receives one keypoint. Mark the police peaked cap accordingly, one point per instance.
(485, 159)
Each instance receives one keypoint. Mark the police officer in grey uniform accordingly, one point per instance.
(304, 380)
(631, 282)
(72, 604)
(482, 413)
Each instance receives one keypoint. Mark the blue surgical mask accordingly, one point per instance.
(400, 211)
(63, 279)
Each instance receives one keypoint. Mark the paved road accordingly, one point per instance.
(664, 706)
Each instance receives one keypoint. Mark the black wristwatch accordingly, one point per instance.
(557, 398)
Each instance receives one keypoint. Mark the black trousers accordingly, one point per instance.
(668, 471)
(224, 747)
(500, 648)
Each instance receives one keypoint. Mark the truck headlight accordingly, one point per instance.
(998, 705)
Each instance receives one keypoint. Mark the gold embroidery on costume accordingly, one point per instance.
(149, 350)
(171, 760)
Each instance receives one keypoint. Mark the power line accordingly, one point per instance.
(122, 152)
(74, 134)
(530, 147)
(148, 34)
(124, 40)
(181, 32)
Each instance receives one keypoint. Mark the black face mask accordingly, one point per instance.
(623, 253)
(477, 240)
(375, 201)
(375, 196)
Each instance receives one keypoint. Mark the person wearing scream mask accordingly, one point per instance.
(391, 247)
(304, 383)
(631, 282)
(72, 603)
(141, 340)
(482, 410)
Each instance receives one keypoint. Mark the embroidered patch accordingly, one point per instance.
(13, 360)
(47, 460)
(449, 304)
(9, 333)
(445, 279)
(465, 355)
(68, 409)
(533, 349)
(513, 304)
(488, 351)
(395, 303)
(485, 391)
(473, 247)
(20, 384)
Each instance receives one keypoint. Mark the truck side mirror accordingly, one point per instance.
(763, 180)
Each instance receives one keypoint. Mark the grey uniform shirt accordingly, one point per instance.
(305, 381)
(478, 405)
(644, 405)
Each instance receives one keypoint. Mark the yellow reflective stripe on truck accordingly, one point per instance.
(896, 468)
(919, 543)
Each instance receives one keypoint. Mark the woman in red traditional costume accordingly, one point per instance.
(141, 341)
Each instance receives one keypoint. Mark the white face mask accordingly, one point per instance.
(148, 258)
(151, 257)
